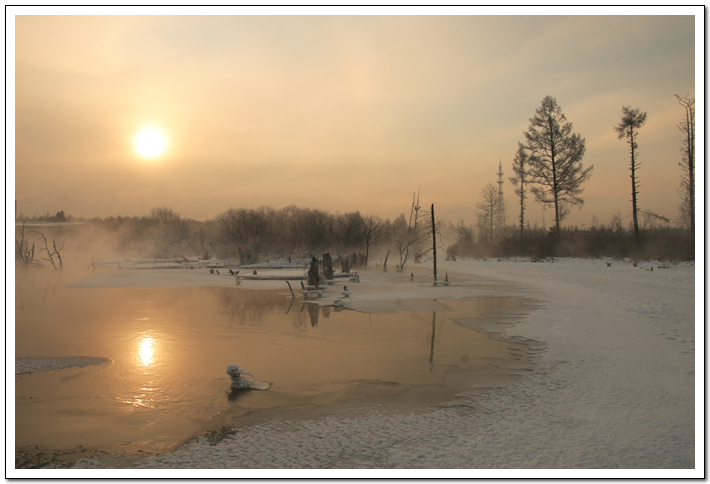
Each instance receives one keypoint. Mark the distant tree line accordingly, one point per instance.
(661, 241)
(58, 217)
(252, 234)
(258, 234)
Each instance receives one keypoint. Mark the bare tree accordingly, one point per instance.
(651, 220)
(555, 160)
(687, 164)
(305, 231)
(23, 252)
(374, 229)
(347, 232)
(170, 234)
(519, 180)
(251, 230)
(615, 223)
(631, 121)
(490, 207)
(54, 255)
(408, 240)
(161, 234)
(464, 234)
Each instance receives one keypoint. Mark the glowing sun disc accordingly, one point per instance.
(150, 142)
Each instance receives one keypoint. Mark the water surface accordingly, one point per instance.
(169, 349)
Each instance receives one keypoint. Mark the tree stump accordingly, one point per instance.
(328, 266)
(313, 276)
(345, 264)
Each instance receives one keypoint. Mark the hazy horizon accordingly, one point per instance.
(339, 113)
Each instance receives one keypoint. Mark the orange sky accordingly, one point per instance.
(338, 113)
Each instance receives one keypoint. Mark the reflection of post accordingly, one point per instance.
(313, 311)
(433, 332)
(289, 306)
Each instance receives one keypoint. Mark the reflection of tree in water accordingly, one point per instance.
(34, 287)
(251, 306)
(313, 311)
(247, 306)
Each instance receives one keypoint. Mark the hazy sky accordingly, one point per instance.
(339, 113)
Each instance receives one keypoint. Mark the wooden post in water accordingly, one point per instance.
(433, 236)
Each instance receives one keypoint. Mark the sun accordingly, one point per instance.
(150, 142)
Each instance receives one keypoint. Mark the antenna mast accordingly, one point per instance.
(414, 214)
(500, 179)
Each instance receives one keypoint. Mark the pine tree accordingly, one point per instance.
(519, 180)
(555, 157)
(631, 121)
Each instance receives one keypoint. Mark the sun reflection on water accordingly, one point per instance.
(145, 356)
(146, 351)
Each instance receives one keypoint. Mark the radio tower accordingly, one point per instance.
(414, 214)
(500, 179)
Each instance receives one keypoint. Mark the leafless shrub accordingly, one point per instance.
(54, 255)
(24, 254)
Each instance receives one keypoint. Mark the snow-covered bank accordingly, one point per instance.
(615, 389)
